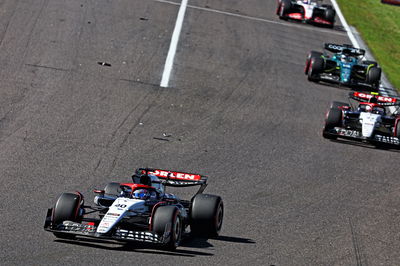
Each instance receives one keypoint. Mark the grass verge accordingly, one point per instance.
(379, 26)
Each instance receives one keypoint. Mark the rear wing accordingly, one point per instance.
(344, 48)
(172, 178)
(381, 100)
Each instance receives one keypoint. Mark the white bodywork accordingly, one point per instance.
(308, 9)
(119, 209)
(369, 122)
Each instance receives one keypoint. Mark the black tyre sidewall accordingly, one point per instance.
(316, 67)
(398, 130)
(374, 75)
(206, 215)
(312, 54)
(333, 118)
(330, 15)
(66, 208)
(164, 215)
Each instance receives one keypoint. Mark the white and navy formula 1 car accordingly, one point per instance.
(140, 211)
(368, 121)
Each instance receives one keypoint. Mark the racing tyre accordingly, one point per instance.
(67, 208)
(335, 104)
(284, 8)
(397, 135)
(112, 189)
(330, 14)
(316, 67)
(374, 76)
(333, 119)
(168, 217)
(207, 213)
(312, 54)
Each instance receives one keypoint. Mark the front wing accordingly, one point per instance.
(89, 231)
(356, 135)
(335, 79)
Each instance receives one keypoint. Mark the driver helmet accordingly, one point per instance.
(306, 1)
(141, 194)
(368, 108)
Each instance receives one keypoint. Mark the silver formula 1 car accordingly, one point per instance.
(140, 211)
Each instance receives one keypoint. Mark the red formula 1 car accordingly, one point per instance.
(309, 11)
(140, 211)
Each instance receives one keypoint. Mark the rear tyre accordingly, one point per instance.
(168, 217)
(374, 76)
(333, 119)
(330, 14)
(112, 189)
(207, 213)
(67, 208)
(312, 54)
(316, 67)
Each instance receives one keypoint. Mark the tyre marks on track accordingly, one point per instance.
(359, 256)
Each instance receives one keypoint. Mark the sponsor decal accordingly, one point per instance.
(175, 175)
(348, 132)
(380, 98)
(387, 139)
(113, 214)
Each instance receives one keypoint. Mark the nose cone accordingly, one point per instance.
(369, 122)
(120, 208)
(345, 73)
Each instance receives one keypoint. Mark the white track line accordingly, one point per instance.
(355, 43)
(174, 43)
(293, 25)
(345, 25)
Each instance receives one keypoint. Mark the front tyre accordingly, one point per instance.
(333, 119)
(168, 218)
(316, 67)
(312, 54)
(67, 208)
(207, 213)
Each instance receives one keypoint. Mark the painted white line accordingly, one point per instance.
(293, 25)
(345, 25)
(173, 45)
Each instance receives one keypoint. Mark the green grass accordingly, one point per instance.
(379, 26)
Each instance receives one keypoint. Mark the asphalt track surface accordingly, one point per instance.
(239, 109)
